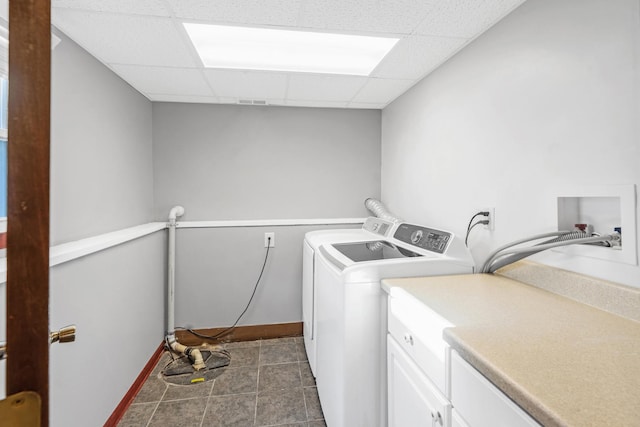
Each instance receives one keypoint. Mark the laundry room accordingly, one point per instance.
(531, 105)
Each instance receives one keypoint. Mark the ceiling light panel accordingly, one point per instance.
(283, 50)
(465, 18)
(254, 12)
(125, 39)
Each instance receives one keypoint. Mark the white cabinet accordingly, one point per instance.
(413, 400)
(457, 420)
(430, 385)
(418, 330)
(479, 402)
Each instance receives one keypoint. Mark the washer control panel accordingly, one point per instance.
(423, 237)
(377, 226)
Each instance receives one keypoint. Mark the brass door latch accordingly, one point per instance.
(66, 334)
(62, 335)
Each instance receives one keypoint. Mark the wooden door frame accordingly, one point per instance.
(28, 199)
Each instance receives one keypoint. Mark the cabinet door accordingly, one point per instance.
(457, 420)
(413, 400)
(480, 402)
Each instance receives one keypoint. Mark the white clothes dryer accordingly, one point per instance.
(372, 229)
(351, 314)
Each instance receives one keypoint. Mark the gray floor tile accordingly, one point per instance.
(244, 356)
(308, 379)
(235, 381)
(138, 414)
(164, 360)
(241, 344)
(279, 377)
(177, 392)
(274, 341)
(278, 353)
(280, 407)
(183, 413)
(312, 402)
(301, 351)
(152, 390)
(236, 410)
(278, 389)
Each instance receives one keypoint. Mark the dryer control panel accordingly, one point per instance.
(377, 226)
(423, 237)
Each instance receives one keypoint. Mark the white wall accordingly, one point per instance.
(547, 100)
(237, 162)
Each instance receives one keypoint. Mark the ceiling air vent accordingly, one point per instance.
(252, 102)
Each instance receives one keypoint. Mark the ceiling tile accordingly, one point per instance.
(165, 80)
(414, 56)
(398, 16)
(145, 43)
(247, 84)
(131, 7)
(247, 12)
(183, 98)
(314, 103)
(366, 106)
(382, 91)
(465, 18)
(321, 87)
(125, 39)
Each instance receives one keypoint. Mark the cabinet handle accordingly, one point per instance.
(408, 338)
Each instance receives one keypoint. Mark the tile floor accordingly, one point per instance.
(268, 383)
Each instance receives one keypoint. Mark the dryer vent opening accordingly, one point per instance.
(179, 369)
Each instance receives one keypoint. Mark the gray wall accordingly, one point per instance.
(242, 162)
(101, 159)
(101, 181)
(543, 104)
(116, 299)
(217, 269)
(238, 162)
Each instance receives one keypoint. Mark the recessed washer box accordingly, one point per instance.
(604, 208)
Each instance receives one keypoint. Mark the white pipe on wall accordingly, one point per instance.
(174, 213)
(193, 353)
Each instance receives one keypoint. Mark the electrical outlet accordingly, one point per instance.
(269, 240)
(492, 219)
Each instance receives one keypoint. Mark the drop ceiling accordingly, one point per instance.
(145, 43)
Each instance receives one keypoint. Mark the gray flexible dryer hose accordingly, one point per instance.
(378, 209)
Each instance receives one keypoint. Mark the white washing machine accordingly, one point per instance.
(372, 229)
(351, 314)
